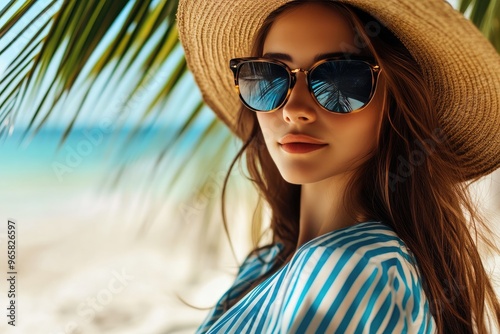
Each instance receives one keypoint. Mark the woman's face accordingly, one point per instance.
(297, 38)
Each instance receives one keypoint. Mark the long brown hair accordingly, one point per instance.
(413, 182)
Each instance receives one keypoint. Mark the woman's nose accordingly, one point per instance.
(300, 107)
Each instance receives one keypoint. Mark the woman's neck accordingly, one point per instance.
(322, 209)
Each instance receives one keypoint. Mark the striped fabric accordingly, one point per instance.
(360, 279)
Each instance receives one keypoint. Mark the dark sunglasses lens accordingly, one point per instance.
(342, 85)
(263, 86)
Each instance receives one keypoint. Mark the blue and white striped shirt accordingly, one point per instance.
(359, 279)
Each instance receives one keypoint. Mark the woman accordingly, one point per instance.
(359, 133)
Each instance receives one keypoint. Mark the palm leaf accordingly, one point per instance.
(76, 31)
(485, 14)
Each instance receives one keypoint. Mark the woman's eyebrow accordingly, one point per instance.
(278, 56)
(332, 55)
(287, 57)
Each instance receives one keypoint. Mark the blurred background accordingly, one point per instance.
(112, 168)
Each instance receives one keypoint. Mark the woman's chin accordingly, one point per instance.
(300, 178)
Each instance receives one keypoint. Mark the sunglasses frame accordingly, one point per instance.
(236, 63)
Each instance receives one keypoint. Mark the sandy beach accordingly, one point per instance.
(85, 265)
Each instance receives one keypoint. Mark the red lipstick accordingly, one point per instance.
(298, 143)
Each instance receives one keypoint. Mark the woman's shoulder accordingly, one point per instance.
(259, 261)
(360, 252)
(363, 267)
(370, 241)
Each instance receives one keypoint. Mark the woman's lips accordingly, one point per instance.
(301, 147)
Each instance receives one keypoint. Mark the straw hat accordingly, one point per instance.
(460, 65)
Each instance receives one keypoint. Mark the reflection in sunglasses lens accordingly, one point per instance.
(263, 86)
(342, 86)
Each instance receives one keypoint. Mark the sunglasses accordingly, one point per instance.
(339, 85)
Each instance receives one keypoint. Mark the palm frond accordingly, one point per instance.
(81, 34)
(485, 14)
